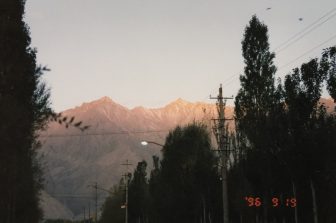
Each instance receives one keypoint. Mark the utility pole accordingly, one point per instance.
(96, 187)
(222, 142)
(126, 189)
(84, 215)
(89, 212)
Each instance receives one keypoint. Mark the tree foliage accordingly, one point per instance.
(138, 194)
(188, 178)
(183, 187)
(24, 109)
(285, 134)
(111, 210)
(256, 95)
(255, 110)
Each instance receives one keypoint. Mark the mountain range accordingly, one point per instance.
(73, 161)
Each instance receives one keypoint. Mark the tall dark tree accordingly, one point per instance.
(111, 210)
(311, 146)
(138, 194)
(255, 99)
(188, 181)
(255, 105)
(24, 109)
(285, 133)
(301, 153)
(328, 62)
(154, 190)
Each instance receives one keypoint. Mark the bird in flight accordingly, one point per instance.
(268, 8)
(300, 19)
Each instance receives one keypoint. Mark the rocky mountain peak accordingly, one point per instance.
(179, 102)
(103, 101)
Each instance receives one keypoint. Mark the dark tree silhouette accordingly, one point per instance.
(111, 210)
(310, 131)
(255, 105)
(188, 180)
(284, 137)
(138, 194)
(24, 109)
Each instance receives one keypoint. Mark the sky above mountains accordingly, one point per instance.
(150, 52)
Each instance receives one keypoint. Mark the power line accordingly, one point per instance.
(285, 43)
(230, 82)
(300, 37)
(103, 133)
(73, 196)
(292, 61)
(288, 42)
(229, 78)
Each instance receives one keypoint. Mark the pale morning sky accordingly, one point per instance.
(150, 52)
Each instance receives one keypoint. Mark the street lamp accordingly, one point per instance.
(145, 143)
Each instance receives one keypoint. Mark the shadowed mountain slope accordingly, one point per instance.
(74, 159)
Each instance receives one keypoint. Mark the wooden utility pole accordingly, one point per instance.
(89, 212)
(96, 215)
(126, 190)
(222, 142)
(84, 215)
(95, 186)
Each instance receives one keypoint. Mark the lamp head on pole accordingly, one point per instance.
(144, 143)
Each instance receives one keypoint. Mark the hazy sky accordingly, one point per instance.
(150, 52)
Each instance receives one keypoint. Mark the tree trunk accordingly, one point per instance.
(204, 214)
(314, 201)
(265, 208)
(284, 219)
(225, 190)
(295, 208)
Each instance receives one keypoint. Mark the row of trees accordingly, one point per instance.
(283, 168)
(284, 138)
(182, 187)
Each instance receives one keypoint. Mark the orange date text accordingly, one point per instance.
(275, 202)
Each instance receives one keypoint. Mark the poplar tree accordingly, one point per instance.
(329, 62)
(255, 98)
(188, 180)
(24, 109)
(111, 209)
(139, 194)
(255, 106)
(311, 131)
